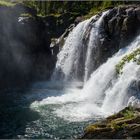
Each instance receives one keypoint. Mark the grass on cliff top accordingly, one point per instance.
(53, 14)
(104, 5)
(6, 3)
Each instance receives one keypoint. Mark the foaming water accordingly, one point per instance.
(117, 96)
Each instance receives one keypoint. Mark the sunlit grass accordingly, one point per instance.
(6, 3)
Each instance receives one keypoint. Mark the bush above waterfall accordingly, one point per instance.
(132, 57)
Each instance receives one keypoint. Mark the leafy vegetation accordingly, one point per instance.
(134, 57)
(121, 122)
(26, 15)
(86, 8)
(115, 124)
(128, 113)
(102, 5)
(6, 3)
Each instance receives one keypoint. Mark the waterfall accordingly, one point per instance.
(75, 58)
(94, 39)
(105, 92)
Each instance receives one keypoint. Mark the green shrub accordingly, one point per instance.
(6, 3)
(129, 113)
(126, 59)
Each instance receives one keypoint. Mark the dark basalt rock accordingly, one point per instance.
(121, 26)
(58, 24)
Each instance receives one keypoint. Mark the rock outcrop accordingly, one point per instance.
(123, 125)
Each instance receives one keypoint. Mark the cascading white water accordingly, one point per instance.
(105, 92)
(71, 57)
(68, 58)
(93, 43)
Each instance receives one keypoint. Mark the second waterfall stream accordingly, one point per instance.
(102, 91)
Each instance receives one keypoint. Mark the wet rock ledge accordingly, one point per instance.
(124, 125)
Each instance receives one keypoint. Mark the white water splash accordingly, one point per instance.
(103, 94)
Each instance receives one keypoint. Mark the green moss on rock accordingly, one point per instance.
(124, 124)
(134, 57)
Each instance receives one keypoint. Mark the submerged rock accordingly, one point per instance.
(125, 124)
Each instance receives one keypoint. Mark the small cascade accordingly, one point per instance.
(75, 59)
(93, 44)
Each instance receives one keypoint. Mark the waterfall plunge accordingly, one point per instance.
(75, 58)
(105, 92)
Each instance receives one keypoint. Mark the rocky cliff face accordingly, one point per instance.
(25, 38)
(24, 47)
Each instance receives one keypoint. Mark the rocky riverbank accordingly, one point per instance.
(125, 124)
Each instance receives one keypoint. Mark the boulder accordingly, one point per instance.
(125, 124)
